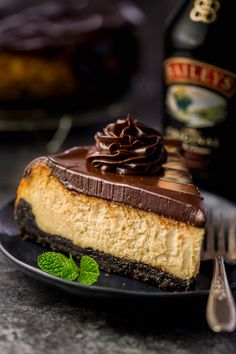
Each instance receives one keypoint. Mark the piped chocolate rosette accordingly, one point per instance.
(128, 147)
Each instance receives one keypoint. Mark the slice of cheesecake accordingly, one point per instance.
(141, 220)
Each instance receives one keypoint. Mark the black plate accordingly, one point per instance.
(24, 254)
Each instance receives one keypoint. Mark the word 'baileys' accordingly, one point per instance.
(200, 89)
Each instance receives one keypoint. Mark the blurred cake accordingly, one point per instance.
(70, 54)
(129, 202)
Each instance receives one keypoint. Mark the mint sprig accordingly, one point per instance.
(89, 271)
(61, 266)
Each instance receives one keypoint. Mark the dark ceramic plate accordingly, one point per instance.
(24, 254)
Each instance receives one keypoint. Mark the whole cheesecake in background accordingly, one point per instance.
(128, 202)
(65, 55)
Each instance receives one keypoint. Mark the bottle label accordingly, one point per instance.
(204, 11)
(196, 106)
(186, 70)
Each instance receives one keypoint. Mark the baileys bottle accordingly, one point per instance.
(200, 90)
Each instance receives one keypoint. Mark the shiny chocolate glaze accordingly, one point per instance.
(169, 193)
(128, 147)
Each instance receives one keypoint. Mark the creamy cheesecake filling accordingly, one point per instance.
(112, 228)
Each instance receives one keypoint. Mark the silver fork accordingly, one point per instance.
(220, 245)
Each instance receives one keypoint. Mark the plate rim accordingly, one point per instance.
(33, 272)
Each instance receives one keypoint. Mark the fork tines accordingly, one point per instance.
(220, 238)
(232, 240)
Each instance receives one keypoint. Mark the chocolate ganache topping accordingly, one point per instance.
(128, 147)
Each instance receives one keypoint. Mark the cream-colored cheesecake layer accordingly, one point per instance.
(118, 230)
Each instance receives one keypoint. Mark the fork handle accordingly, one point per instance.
(221, 311)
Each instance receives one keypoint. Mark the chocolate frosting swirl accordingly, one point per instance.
(128, 147)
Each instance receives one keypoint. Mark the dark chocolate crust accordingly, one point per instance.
(26, 221)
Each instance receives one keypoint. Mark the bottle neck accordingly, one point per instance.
(203, 32)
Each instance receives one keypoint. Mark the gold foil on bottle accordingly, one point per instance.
(205, 11)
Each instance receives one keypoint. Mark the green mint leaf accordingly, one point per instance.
(70, 273)
(89, 271)
(52, 262)
(57, 264)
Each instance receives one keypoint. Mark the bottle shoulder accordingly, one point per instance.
(207, 42)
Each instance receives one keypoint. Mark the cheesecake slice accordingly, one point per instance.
(136, 212)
